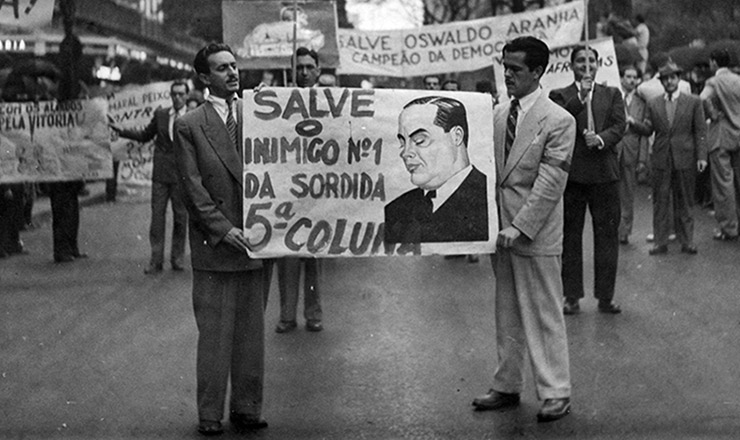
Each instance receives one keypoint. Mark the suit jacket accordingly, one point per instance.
(531, 183)
(210, 170)
(724, 93)
(592, 165)
(462, 217)
(628, 147)
(164, 167)
(680, 145)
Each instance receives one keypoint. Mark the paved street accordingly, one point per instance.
(96, 350)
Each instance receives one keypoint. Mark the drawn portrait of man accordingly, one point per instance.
(450, 201)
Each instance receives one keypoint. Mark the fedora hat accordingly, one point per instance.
(669, 68)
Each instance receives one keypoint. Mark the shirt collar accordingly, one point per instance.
(675, 95)
(220, 105)
(526, 102)
(723, 71)
(445, 191)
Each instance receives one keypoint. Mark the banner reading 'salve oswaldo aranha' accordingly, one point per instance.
(52, 141)
(331, 172)
(453, 47)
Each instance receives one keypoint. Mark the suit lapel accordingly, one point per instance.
(499, 139)
(682, 106)
(218, 136)
(528, 129)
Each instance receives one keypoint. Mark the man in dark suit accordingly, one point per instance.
(165, 184)
(227, 285)
(679, 151)
(632, 158)
(533, 143)
(450, 203)
(593, 182)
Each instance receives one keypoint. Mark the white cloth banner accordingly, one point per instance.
(453, 47)
(133, 108)
(559, 73)
(324, 174)
(31, 14)
(49, 141)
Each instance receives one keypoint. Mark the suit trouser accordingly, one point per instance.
(627, 184)
(679, 184)
(289, 276)
(529, 318)
(161, 194)
(602, 201)
(229, 312)
(725, 171)
(65, 215)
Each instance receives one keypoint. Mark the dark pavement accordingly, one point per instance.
(96, 350)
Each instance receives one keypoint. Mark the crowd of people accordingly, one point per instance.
(579, 148)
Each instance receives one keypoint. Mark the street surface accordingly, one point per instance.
(97, 350)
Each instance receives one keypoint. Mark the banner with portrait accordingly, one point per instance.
(559, 73)
(49, 141)
(134, 107)
(338, 172)
(454, 47)
(261, 32)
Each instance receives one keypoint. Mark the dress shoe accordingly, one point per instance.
(246, 422)
(691, 250)
(651, 237)
(80, 255)
(285, 326)
(210, 427)
(177, 267)
(64, 259)
(571, 307)
(609, 307)
(495, 401)
(723, 236)
(473, 258)
(658, 250)
(554, 409)
(314, 326)
(624, 240)
(153, 269)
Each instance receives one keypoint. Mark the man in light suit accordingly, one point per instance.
(679, 151)
(227, 285)
(632, 158)
(593, 182)
(165, 184)
(450, 201)
(721, 97)
(533, 143)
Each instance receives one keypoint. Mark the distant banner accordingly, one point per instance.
(131, 108)
(453, 47)
(261, 32)
(559, 73)
(31, 14)
(325, 173)
(49, 141)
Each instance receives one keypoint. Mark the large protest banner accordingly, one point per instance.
(31, 14)
(261, 32)
(49, 141)
(134, 107)
(324, 176)
(453, 47)
(559, 73)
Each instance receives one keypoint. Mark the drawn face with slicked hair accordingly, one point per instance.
(430, 154)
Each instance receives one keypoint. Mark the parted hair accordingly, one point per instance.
(450, 113)
(536, 52)
(200, 64)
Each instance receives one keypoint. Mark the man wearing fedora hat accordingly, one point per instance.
(679, 151)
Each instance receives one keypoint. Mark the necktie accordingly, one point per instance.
(428, 197)
(670, 109)
(511, 127)
(231, 123)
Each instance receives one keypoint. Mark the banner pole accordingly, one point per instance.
(295, 37)
(589, 109)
